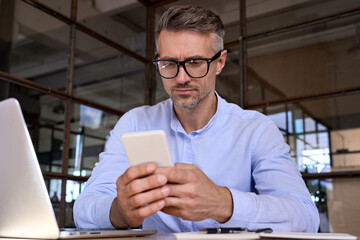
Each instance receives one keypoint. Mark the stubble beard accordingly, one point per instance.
(185, 101)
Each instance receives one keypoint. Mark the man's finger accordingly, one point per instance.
(141, 199)
(144, 184)
(185, 166)
(175, 175)
(135, 172)
(149, 209)
(173, 202)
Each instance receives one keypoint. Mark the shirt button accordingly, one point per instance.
(188, 140)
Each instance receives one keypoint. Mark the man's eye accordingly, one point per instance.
(195, 62)
(167, 64)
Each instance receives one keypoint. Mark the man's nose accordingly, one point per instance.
(182, 76)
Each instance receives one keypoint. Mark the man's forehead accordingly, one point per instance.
(184, 54)
(184, 44)
(187, 33)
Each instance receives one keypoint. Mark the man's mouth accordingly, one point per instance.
(183, 90)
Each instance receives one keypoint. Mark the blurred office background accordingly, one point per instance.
(77, 66)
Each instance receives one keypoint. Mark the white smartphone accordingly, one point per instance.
(147, 146)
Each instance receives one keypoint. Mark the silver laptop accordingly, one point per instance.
(25, 207)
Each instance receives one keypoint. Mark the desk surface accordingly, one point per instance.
(170, 236)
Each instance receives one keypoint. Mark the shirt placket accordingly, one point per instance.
(188, 152)
(188, 157)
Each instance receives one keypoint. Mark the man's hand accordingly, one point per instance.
(193, 196)
(140, 193)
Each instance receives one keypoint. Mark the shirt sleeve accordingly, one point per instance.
(282, 201)
(92, 207)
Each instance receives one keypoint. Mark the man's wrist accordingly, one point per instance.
(226, 210)
(116, 216)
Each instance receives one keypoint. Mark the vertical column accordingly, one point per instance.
(150, 82)
(330, 147)
(7, 9)
(304, 129)
(243, 55)
(68, 111)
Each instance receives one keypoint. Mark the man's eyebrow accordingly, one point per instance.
(175, 59)
(195, 57)
(167, 58)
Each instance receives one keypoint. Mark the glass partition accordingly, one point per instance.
(345, 148)
(64, 7)
(268, 15)
(311, 60)
(123, 22)
(39, 47)
(106, 76)
(90, 130)
(73, 189)
(54, 189)
(337, 202)
(309, 145)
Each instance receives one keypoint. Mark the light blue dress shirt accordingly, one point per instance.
(239, 149)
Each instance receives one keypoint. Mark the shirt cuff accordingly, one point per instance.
(243, 209)
(103, 213)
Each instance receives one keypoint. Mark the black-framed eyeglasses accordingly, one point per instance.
(195, 68)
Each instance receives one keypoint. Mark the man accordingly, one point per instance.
(232, 166)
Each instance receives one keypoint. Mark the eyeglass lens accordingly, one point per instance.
(195, 68)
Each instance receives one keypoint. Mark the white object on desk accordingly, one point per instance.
(273, 235)
(303, 235)
(204, 235)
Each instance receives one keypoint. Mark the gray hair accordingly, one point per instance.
(178, 18)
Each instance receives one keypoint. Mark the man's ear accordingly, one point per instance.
(156, 55)
(221, 62)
